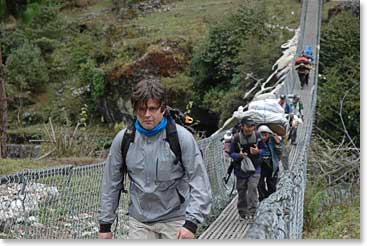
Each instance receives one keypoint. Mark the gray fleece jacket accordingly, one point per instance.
(160, 191)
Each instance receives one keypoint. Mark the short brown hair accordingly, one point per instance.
(148, 89)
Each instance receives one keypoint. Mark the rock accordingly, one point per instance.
(26, 115)
(14, 206)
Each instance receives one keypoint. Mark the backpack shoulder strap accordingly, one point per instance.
(236, 142)
(173, 141)
(236, 137)
(128, 138)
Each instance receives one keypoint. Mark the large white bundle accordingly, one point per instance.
(263, 116)
(277, 122)
(271, 105)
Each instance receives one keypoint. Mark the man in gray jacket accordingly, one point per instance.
(167, 199)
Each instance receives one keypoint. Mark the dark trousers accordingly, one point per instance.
(293, 135)
(247, 194)
(267, 183)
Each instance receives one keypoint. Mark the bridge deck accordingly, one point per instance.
(228, 225)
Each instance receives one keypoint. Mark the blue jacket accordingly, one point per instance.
(287, 108)
(271, 151)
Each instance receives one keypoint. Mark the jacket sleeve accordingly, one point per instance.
(200, 198)
(288, 108)
(278, 147)
(111, 184)
(234, 150)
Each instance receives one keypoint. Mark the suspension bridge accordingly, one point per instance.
(63, 202)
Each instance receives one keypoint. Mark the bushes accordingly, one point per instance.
(239, 45)
(179, 90)
(222, 102)
(26, 69)
(340, 83)
(90, 74)
(337, 219)
(217, 59)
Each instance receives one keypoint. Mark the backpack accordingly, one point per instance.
(236, 139)
(172, 139)
(301, 59)
(249, 141)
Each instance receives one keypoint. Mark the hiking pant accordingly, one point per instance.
(247, 194)
(293, 135)
(156, 230)
(267, 183)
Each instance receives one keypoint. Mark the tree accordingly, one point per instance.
(338, 112)
(13, 7)
(3, 111)
(26, 68)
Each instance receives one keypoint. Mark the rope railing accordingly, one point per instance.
(63, 202)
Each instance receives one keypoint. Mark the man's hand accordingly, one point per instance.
(184, 233)
(105, 235)
(254, 151)
(277, 138)
(243, 153)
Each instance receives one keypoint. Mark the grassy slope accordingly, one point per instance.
(338, 220)
(191, 19)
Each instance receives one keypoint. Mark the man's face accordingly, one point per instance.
(150, 115)
(264, 136)
(282, 101)
(247, 129)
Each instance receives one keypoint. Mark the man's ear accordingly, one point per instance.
(164, 110)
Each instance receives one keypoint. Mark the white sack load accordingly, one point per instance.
(277, 122)
(271, 105)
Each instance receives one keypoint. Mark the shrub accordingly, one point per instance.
(26, 68)
(340, 67)
(94, 76)
(215, 60)
(179, 90)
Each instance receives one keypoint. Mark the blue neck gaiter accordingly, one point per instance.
(152, 132)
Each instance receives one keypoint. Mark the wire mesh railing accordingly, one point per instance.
(63, 202)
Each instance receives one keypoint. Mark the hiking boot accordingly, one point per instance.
(251, 218)
(244, 217)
